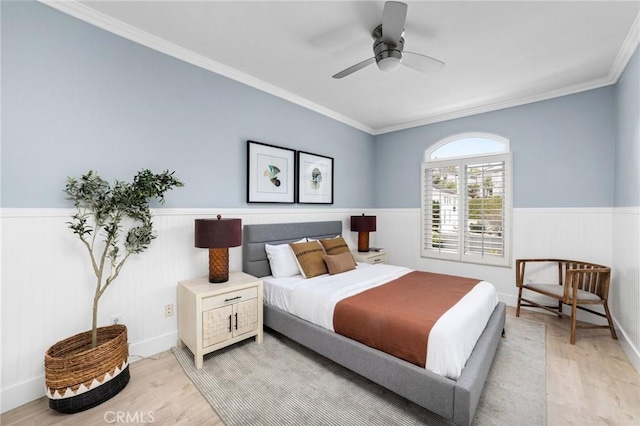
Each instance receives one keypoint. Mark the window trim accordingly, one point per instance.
(462, 162)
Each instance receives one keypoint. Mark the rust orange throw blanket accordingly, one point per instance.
(397, 317)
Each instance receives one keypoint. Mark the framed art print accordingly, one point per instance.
(270, 173)
(315, 178)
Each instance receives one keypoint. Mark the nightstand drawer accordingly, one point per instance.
(381, 258)
(372, 257)
(229, 298)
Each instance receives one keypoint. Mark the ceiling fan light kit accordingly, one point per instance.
(388, 45)
(389, 64)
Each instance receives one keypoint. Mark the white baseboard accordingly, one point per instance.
(21, 393)
(632, 352)
(508, 299)
(30, 390)
(153, 346)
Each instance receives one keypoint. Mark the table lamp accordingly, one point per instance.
(218, 235)
(363, 225)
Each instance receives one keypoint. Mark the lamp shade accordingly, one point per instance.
(218, 233)
(363, 223)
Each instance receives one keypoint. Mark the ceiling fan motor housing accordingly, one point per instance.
(387, 56)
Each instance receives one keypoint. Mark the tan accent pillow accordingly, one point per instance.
(309, 258)
(338, 263)
(337, 245)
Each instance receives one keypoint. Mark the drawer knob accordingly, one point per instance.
(233, 298)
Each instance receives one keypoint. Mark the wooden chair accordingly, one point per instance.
(579, 283)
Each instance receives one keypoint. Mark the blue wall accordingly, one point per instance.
(75, 98)
(563, 152)
(627, 98)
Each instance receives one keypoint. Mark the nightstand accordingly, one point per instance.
(212, 316)
(370, 256)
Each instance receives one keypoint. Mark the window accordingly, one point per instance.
(467, 199)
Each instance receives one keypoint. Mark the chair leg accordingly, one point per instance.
(559, 308)
(519, 301)
(574, 314)
(610, 320)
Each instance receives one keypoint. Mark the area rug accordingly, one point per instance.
(282, 383)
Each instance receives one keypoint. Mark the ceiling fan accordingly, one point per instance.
(388, 45)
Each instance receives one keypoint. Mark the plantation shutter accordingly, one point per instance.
(484, 209)
(441, 212)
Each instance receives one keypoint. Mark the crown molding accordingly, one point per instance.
(626, 51)
(107, 23)
(529, 99)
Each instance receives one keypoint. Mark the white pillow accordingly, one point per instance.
(309, 240)
(281, 259)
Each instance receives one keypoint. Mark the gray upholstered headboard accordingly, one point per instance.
(254, 237)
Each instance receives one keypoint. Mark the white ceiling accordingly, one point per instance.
(497, 54)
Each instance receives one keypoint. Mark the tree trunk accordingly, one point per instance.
(94, 326)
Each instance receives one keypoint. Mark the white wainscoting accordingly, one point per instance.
(625, 293)
(583, 234)
(47, 284)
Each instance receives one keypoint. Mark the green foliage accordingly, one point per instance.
(488, 214)
(107, 212)
(472, 190)
(436, 241)
(435, 215)
(485, 208)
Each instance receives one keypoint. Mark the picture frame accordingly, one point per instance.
(314, 178)
(271, 173)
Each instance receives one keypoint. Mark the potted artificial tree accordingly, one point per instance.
(91, 367)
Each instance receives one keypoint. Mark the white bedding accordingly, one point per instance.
(451, 339)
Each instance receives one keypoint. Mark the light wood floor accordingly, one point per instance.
(589, 383)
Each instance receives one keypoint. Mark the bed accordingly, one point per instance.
(455, 400)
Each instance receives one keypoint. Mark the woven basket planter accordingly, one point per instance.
(79, 377)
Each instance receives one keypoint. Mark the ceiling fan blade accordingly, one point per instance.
(393, 18)
(355, 68)
(421, 63)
